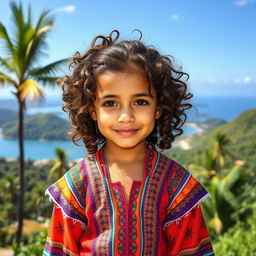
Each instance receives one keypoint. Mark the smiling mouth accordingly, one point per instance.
(126, 132)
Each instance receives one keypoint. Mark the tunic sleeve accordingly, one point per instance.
(184, 225)
(63, 235)
(189, 235)
(68, 219)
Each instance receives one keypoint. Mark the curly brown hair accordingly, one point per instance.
(79, 88)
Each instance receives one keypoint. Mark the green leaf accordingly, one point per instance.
(6, 40)
(50, 69)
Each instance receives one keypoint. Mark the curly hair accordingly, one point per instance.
(79, 89)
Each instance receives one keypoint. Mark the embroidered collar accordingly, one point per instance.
(149, 162)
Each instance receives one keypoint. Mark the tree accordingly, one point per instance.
(60, 164)
(220, 182)
(21, 71)
(8, 195)
(221, 140)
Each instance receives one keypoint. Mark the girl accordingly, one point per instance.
(124, 99)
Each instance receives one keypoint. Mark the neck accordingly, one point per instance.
(125, 155)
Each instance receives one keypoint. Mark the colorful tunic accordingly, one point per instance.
(163, 216)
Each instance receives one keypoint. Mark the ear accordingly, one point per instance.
(93, 115)
(158, 113)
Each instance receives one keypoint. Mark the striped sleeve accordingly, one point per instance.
(68, 219)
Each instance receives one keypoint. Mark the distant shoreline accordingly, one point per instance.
(196, 126)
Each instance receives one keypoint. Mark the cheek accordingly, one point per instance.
(104, 117)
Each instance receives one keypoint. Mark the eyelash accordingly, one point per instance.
(106, 103)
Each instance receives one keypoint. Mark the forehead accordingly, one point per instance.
(119, 83)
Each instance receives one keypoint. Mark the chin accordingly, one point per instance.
(128, 145)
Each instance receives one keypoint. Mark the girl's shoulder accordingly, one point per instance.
(184, 191)
(69, 193)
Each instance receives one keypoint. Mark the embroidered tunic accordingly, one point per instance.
(163, 216)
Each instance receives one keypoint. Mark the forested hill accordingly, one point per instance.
(241, 130)
(7, 115)
(36, 127)
(239, 140)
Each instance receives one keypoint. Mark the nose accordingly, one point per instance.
(126, 116)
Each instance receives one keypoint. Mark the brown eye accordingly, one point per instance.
(109, 104)
(141, 102)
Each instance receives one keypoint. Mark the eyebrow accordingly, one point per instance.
(135, 95)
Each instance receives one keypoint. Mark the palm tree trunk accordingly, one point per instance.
(20, 214)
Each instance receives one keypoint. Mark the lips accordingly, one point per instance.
(126, 132)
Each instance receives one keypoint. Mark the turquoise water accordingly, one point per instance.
(40, 149)
(37, 150)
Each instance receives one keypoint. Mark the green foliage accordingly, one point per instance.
(242, 133)
(212, 161)
(36, 178)
(60, 164)
(239, 240)
(33, 246)
(39, 127)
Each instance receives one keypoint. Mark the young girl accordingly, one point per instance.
(124, 99)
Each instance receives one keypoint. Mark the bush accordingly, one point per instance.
(34, 245)
(238, 240)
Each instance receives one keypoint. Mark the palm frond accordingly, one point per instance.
(55, 169)
(50, 69)
(29, 89)
(7, 64)
(17, 15)
(232, 177)
(6, 79)
(44, 20)
(19, 24)
(35, 50)
(50, 81)
(6, 40)
(29, 22)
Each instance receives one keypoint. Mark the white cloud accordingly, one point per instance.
(211, 80)
(237, 80)
(243, 2)
(68, 8)
(175, 16)
(247, 79)
(244, 80)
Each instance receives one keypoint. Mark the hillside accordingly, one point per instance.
(39, 127)
(242, 133)
(7, 115)
(241, 130)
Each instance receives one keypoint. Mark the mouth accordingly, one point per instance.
(126, 132)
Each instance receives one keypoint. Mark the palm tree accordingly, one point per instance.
(221, 140)
(60, 164)
(223, 201)
(21, 71)
(8, 195)
(37, 198)
(220, 184)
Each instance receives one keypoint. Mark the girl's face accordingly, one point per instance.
(124, 109)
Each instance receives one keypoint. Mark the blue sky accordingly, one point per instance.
(213, 40)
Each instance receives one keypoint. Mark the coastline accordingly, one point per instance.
(184, 142)
(199, 128)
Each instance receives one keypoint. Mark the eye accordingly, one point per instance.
(109, 103)
(141, 102)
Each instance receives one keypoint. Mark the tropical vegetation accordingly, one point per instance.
(20, 69)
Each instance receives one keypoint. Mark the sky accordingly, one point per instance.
(213, 40)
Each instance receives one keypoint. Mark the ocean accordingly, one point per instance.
(225, 108)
